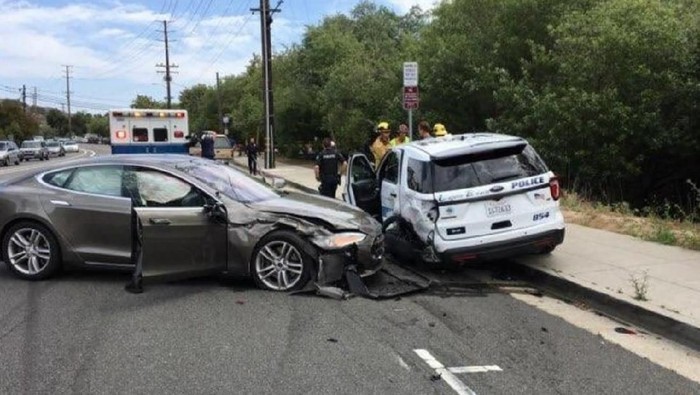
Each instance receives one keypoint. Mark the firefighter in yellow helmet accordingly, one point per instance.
(381, 144)
(439, 130)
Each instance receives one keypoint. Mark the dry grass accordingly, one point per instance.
(619, 220)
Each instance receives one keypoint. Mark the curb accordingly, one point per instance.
(626, 312)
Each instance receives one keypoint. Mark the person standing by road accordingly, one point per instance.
(424, 130)
(329, 164)
(252, 151)
(381, 144)
(402, 138)
(207, 144)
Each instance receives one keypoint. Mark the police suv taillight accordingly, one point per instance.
(554, 189)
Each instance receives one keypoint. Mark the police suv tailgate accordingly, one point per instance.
(495, 208)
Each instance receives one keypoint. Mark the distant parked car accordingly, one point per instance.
(55, 148)
(223, 149)
(9, 153)
(33, 149)
(71, 146)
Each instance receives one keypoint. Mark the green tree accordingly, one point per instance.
(99, 125)
(58, 121)
(15, 123)
(146, 102)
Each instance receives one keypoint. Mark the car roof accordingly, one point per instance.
(463, 144)
(165, 160)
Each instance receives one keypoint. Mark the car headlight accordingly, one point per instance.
(338, 240)
(3, 155)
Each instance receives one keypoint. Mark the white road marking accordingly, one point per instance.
(475, 369)
(445, 374)
(403, 363)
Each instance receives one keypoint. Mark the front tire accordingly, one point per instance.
(31, 251)
(280, 262)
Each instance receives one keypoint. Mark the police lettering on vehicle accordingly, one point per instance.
(528, 182)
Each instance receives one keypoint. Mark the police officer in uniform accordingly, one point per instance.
(328, 164)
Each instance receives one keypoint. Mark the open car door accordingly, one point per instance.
(179, 242)
(361, 187)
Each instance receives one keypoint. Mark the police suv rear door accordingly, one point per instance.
(492, 190)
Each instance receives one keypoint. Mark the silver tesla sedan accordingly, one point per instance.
(174, 216)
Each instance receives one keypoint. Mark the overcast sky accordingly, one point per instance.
(114, 45)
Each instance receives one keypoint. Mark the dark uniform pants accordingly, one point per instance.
(328, 188)
(252, 164)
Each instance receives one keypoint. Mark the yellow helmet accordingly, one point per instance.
(383, 126)
(439, 130)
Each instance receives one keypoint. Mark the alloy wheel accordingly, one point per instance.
(279, 265)
(29, 251)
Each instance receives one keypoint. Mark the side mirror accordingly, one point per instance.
(279, 183)
(216, 210)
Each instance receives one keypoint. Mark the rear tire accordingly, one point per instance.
(31, 251)
(281, 263)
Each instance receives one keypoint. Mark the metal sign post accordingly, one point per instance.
(410, 92)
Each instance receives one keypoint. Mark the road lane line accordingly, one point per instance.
(475, 369)
(403, 363)
(451, 380)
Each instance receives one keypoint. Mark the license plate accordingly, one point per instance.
(497, 209)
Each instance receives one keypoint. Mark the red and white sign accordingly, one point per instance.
(411, 99)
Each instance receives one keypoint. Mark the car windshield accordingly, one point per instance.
(31, 144)
(52, 144)
(485, 168)
(3, 146)
(222, 142)
(228, 181)
(69, 142)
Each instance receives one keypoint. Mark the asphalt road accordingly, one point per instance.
(81, 333)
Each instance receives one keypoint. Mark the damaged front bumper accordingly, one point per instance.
(366, 258)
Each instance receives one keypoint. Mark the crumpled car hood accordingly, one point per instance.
(336, 213)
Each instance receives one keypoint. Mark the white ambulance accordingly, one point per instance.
(148, 131)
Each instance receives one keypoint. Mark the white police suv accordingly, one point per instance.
(461, 198)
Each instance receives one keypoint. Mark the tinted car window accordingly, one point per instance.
(362, 170)
(58, 178)
(157, 189)
(228, 181)
(390, 168)
(31, 144)
(101, 180)
(486, 168)
(52, 144)
(418, 176)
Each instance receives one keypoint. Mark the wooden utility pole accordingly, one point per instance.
(265, 22)
(168, 74)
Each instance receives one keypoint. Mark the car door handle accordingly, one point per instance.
(60, 203)
(392, 194)
(159, 221)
